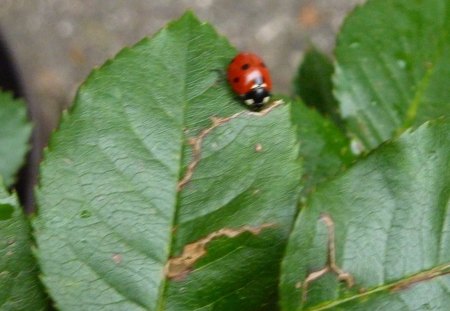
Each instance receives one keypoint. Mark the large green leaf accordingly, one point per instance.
(14, 135)
(393, 66)
(20, 288)
(324, 148)
(313, 84)
(391, 221)
(146, 204)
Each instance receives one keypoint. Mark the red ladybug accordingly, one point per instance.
(250, 79)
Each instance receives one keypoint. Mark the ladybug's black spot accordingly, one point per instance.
(245, 66)
(236, 80)
(262, 65)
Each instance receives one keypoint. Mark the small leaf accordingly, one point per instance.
(392, 72)
(324, 148)
(15, 132)
(20, 288)
(314, 86)
(385, 224)
(159, 192)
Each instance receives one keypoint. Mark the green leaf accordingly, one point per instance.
(15, 132)
(20, 288)
(324, 148)
(392, 72)
(249, 177)
(146, 204)
(391, 231)
(313, 84)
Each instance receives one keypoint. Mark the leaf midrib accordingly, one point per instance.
(164, 283)
(422, 276)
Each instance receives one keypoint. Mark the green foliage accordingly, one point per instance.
(15, 132)
(393, 60)
(160, 191)
(324, 148)
(20, 288)
(391, 229)
(313, 84)
(122, 192)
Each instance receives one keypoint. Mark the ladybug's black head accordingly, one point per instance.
(257, 97)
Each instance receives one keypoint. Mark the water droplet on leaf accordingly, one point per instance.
(356, 146)
(401, 63)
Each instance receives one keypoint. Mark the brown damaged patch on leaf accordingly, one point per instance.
(177, 268)
(196, 142)
(420, 277)
(331, 265)
(117, 258)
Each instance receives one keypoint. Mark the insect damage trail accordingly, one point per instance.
(196, 142)
(178, 267)
(331, 265)
(420, 277)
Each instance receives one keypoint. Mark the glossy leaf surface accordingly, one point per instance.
(392, 72)
(20, 288)
(390, 222)
(160, 192)
(15, 132)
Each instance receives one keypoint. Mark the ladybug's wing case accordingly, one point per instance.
(236, 78)
(247, 70)
(257, 63)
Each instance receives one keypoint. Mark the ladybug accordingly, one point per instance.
(250, 79)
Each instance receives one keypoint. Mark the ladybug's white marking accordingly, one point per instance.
(256, 86)
(254, 77)
(249, 101)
